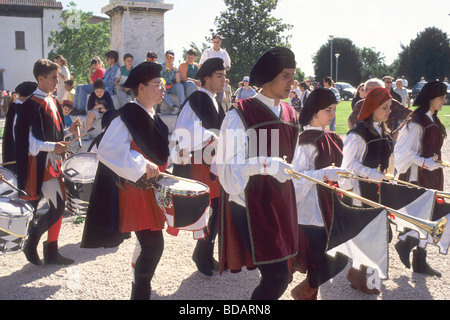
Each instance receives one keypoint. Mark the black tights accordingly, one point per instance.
(148, 255)
(274, 276)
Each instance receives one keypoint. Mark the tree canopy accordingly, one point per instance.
(79, 41)
(349, 62)
(428, 55)
(248, 30)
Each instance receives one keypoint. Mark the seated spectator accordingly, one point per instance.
(109, 78)
(152, 56)
(173, 82)
(99, 102)
(67, 108)
(96, 71)
(188, 71)
(124, 95)
(69, 93)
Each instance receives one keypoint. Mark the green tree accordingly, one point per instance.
(428, 55)
(196, 47)
(79, 41)
(373, 65)
(349, 62)
(248, 30)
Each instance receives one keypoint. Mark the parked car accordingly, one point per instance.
(416, 89)
(419, 85)
(346, 90)
(447, 99)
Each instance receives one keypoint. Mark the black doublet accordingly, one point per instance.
(378, 150)
(33, 115)
(102, 218)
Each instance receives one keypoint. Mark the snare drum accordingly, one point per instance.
(185, 204)
(5, 190)
(79, 172)
(15, 216)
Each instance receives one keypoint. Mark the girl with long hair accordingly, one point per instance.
(418, 142)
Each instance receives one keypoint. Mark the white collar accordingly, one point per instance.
(308, 127)
(267, 101)
(376, 126)
(210, 94)
(41, 93)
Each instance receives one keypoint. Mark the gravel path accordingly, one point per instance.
(105, 274)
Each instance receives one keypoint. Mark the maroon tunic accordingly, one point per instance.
(271, 206)
(329, 151)
(432, 141)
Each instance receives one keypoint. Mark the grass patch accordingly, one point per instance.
(344, 108)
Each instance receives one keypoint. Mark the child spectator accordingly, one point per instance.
(82, 91)
(67, 107)
(124, 94)
(70, 91)
(99, 102)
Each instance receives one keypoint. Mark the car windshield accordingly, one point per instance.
(345, 85)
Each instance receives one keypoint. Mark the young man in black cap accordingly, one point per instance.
(40, 150)
(134, 149)
(258, 139)
(24, 90)
(201, 117)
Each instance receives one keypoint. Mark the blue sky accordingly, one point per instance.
(381, 25)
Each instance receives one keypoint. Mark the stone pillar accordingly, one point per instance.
(137, 27)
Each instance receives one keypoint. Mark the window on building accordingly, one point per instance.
(20, 40)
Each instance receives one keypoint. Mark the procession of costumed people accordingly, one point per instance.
(272, 189)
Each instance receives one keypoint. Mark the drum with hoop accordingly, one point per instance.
(79, 172)
(5, 189)
(15, 217)
(185, 204)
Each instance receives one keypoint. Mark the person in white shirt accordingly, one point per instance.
(40, 148)
(401, 91)
(417, 143)
(367, 149)
(260, 202)
(134, 149)
(318, 155)
(216, 52)
(197, 130)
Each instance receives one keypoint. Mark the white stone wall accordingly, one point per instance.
(52, 17)
(18, 64)
(138, 32)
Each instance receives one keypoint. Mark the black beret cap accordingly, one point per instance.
(319, 99)
(143, 73)
(26, 88)
(270, 64)
(430, 91)
(209, 67)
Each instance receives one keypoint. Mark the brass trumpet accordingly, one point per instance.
(434, 228)
(444, 163)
